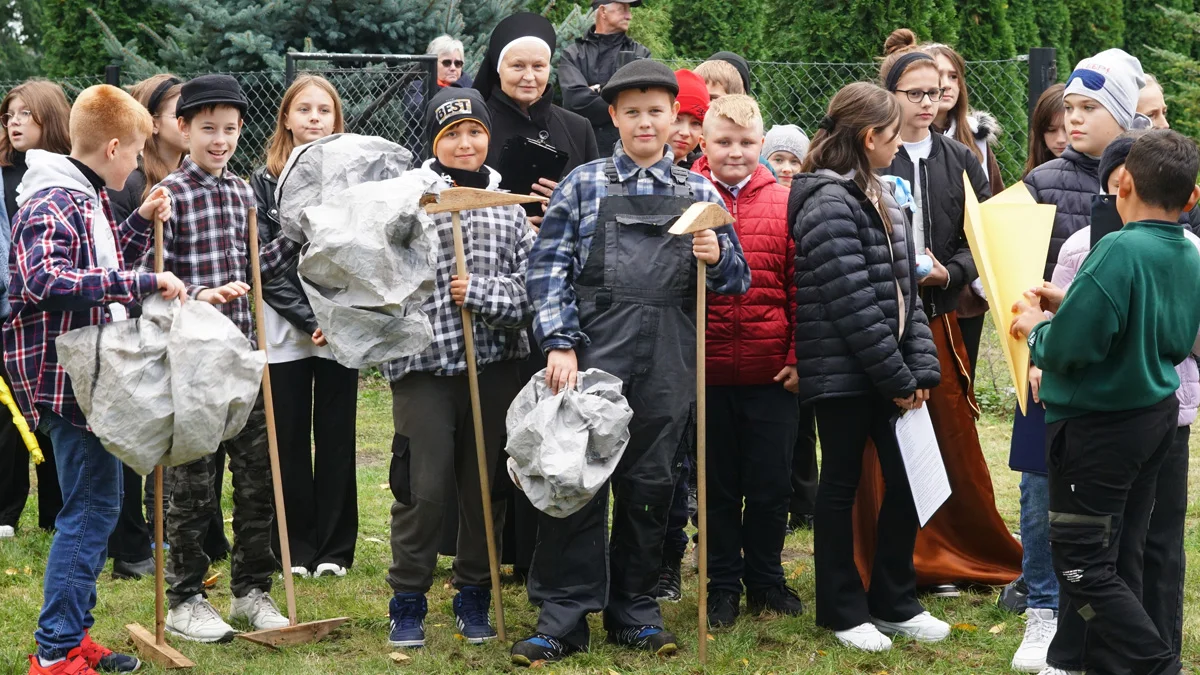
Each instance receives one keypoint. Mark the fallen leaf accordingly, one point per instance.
(612, 672)
(710, 637)
(10, 571)
(745, 662)
(385, 486)
(229, 519)
(373, 540)
(397, 657)
(28, 570)
(997, 629)
(820, 652)
(459, 636)
(540, 663)
(967, 627)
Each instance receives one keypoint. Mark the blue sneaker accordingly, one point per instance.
(407, 611)
(540, 647)
(471, 611)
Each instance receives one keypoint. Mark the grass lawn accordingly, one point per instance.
(983, 641)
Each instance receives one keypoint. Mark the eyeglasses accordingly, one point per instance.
(915, 95)
(23, 117)
(457, 63)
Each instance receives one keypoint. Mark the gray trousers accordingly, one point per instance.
(434, 463)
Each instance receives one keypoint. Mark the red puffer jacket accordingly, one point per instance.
(750, 337)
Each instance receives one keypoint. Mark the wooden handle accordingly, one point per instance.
(701, 456)
(477, 416)
(260, 324)
(160, 619)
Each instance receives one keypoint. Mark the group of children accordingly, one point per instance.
(834, 298)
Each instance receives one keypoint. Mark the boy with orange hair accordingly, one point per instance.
(68, 271)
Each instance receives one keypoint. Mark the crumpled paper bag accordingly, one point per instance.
(563, 448)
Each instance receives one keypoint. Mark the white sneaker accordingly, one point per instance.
(7, 532)
(196, 620)
(1059, 671)
(299, 572)
(865, 637)
(922, 627)
(329, 570)
(1040, 627)
(259, 610)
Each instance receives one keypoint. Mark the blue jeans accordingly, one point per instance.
(1036, 565)
(90, 479)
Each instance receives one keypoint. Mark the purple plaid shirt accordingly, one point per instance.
(206, 241)
(57, 286)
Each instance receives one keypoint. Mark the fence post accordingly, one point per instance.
(112, 75)
(431, 85)
(289, 70)
(1043, 72)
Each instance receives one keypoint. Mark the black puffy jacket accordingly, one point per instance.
(847, 307)
(944, 211)
(1069, 183)
(283, 292)
(592, 60)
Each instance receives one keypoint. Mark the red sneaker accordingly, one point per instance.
(69, 666)
(102, 658)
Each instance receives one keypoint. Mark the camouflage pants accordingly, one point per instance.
(189, 515)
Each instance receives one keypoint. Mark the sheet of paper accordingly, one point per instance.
(922, 462)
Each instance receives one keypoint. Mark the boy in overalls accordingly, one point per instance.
(611, 289)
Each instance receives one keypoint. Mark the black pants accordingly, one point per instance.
(1103, 471)
(972, 333)
(804, 465)
(130, 540)
(675, 543)
(1166, 564)
(751, 434)
(844, 425)
(14, 478)
(319, 397)
(216, 544)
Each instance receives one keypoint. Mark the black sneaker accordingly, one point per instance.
(541, 647)
(670, 580)
(650, 638)
(800, 521)
(780, 600)
(723, 608)
(132, 570)
(1015, 597)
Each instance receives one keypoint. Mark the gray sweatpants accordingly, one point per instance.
(433, 455)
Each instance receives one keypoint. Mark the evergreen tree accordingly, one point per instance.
(1054, 30)
(1147, 26)
(943, 25)
(1180, 73)
(700, 28)
(73, 44)
(985, 33)
(1022, 18)
(20, 39)
(1095, 26)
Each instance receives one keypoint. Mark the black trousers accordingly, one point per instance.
(1166, 564)
(319, 397)
(972, 333)
(1104, 468)
(130, 540)
(14, 478)
(804, 465)
(751, 434)
(844, 425)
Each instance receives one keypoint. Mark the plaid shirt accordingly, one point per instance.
(566, 237)
(496, 241)
(206, 241)
(57, 286)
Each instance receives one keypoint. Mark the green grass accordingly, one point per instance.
(983, 641)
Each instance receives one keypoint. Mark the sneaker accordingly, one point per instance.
(7, 531)
(650, 638)
(780, 600)
(865, 637)
(196, 620)
(132, 570)
(75, 666)
(299, 571)
(800, 521)
(259, 610)
(472, 612)
(540, 647)
(1015, 597)
(944, 591)
(923, 627)
(103, 659)
(670, 581)
(723, 608)
(329, 570)
(1040, 627)
(407, 612)
(1059, 671)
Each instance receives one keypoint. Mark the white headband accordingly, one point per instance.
(525, 38)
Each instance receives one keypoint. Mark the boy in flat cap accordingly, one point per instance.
(205, 243)
(433, 451)
(611, 289)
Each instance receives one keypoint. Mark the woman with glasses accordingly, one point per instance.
(966, 540)
(34, 115)
(450, 73)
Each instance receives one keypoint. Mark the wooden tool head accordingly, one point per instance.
(701, 216)
(465, 199)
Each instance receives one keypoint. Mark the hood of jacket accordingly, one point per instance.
(493, 175)
(50, 170)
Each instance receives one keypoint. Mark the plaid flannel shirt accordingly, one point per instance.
(565, 239)
(496, 241)
(57, 286)
(206, 241)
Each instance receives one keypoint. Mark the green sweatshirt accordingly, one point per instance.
(1131, 314)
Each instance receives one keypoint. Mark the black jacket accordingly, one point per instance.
(592, 60)
(545, 122)
(12, 179)
(944, 213)
(1069, 183)
(847, 307)
(129, 198)
(283, 293)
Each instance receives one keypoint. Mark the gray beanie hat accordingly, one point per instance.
(786, 137)
(1113, 79)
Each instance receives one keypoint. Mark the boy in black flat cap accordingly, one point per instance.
(205, 243)
(433, 451)
(611, 289)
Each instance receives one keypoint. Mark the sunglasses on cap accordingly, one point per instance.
(457, 63)
(1090, 78)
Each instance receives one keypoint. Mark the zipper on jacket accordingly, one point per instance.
(737, 315)
(927, 222)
